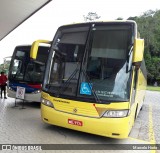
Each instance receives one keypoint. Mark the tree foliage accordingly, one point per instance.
(91, 16)
(119, 18)
(149, 29)
(5, 66)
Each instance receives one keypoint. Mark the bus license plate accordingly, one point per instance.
(75, 122)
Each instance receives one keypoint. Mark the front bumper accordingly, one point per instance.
(108, 127)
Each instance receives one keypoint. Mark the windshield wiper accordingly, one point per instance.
(65, 85)
(91, 88)
(29, 77)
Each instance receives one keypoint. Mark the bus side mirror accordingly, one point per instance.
(138, 50)
(34, 48)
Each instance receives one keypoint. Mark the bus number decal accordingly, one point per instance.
(75, 122)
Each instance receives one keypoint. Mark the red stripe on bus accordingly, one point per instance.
(37, 86)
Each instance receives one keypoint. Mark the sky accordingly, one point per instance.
(45, 22)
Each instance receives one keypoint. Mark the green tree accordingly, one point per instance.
(119, 18)
(91, 16)
(149, 28)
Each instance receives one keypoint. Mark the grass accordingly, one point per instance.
(152, 88)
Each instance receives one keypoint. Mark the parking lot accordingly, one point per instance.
(24, 126)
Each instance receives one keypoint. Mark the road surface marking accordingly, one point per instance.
(151, 130)
(143, 141)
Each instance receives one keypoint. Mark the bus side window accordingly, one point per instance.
(135, 79)
(134, 86)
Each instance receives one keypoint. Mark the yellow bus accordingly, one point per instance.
(95, 78)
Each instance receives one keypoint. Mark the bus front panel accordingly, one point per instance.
(86, 117)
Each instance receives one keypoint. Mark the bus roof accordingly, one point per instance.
(120, 22)
(101, 22)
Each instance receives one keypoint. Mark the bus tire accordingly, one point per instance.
(136, 113)
(142, 104)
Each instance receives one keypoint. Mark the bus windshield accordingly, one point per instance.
(26, 70)
(92, 65)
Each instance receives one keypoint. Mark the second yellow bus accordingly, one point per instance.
(95, 78)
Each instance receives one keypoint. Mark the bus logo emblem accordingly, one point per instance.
(75, 110)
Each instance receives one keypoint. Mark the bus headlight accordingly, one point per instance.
(37, 91)
(47, 103)
(116, 113)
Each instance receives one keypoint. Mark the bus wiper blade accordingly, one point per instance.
(65, 85)
(92, 89)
